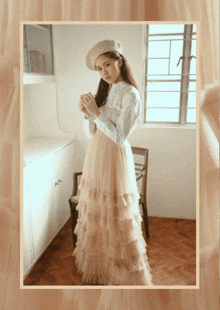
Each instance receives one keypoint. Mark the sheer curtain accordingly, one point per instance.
(14, 11)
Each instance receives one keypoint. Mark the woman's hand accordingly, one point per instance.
(89, 104)
(82, 108)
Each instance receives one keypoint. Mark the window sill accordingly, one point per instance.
(172, 126)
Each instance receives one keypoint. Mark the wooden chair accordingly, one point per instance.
(141, 171)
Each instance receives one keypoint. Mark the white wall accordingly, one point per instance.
(172, 170)
(172, 152)
(40, 111)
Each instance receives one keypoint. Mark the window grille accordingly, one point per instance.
(169, 79)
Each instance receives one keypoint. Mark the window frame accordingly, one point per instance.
(184, 78)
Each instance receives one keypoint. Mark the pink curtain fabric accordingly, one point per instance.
(14, 11)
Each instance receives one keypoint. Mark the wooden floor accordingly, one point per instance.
(171, 251)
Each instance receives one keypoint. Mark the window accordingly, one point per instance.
(169, 81)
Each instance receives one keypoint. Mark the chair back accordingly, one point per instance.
(76, 175)
(141, 170)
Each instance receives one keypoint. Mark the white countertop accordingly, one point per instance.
(36, 148)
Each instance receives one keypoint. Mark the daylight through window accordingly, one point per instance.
(170, 74)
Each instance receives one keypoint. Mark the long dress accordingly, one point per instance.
(110, 248)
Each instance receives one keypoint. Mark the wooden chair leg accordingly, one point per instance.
(146, 224)
(74, 216)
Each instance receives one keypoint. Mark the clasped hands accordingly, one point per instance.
(87, 105)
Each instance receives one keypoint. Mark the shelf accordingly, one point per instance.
(31, 78)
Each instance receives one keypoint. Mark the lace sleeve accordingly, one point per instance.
(89, 126)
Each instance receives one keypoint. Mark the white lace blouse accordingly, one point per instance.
(119, 116)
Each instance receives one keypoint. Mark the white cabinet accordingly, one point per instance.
(27, 234)
(46, 208)
(43, 179)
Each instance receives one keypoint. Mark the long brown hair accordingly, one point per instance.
(126, 73)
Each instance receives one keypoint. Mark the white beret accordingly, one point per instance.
(101, 48)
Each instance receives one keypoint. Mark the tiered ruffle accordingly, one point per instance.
(110, 247)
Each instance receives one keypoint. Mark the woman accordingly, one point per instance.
(110, 247)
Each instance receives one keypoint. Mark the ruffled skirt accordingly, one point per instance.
(110, 248)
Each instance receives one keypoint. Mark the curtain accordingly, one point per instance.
(14, 11)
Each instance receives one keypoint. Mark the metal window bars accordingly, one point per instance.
(184, 75)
